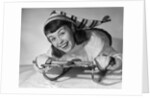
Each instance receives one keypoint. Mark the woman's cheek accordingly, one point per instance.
(55, 44)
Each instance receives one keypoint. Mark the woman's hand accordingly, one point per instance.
(106, 62)
(41, 63)
(102, 61)
(116, 65)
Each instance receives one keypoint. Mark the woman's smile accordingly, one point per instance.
(64, 45)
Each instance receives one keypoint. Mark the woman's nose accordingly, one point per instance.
(59, 41)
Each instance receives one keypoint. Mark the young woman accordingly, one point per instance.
(72, 39)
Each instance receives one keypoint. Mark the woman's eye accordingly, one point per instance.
(52, 39)
(62, 33)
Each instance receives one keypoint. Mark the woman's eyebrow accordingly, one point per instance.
(49, 35)
(60, 29)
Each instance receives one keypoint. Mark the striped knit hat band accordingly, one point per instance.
(81, 23)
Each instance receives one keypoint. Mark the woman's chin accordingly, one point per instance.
(67, 50)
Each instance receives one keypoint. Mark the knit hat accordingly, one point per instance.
(81, 23)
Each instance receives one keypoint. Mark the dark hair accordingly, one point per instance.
(79, 36)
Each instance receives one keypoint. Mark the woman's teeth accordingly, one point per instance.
(64, 45)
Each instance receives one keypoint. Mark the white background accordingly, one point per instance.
(87, 96)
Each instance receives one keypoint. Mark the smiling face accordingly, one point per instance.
(62, 39)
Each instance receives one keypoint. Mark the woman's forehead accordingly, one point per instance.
(57, 31)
